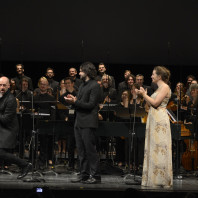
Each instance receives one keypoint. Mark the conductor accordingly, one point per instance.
(9, 128)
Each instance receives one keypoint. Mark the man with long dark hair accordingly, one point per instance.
(86, 122)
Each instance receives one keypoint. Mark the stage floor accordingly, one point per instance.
(115, 184)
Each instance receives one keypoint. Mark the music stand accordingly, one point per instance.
(34, 150)
(128, 113)
(175, 119)
(108, 114)
(58, 106)
(23, 113)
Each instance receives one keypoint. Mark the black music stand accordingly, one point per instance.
(22, 113)
(176, 119)
(108, 113)
(58, 106)
(129, 113)
(34, 151)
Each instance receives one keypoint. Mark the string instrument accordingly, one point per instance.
(173, 105)
(18, 105)
(190, 156)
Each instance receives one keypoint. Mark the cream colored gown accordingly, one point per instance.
(157, 166)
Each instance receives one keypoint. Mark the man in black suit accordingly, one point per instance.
(86, 105)
(9, 128)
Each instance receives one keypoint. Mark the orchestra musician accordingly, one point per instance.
(102, 70)
(64, 115)
(42, 104)
(191, 110)
(20, 74)
(52, 83)
(177, 102)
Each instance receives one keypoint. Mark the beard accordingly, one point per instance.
(83, 78)
(1, 95)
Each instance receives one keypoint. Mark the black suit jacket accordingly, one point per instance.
(86, 105)
(8, 121)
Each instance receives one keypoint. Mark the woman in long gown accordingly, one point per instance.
(157, 166)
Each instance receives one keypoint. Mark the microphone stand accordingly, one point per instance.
(21, 131)
(34, 151)
(111, 138)
(178, 176)
(131, 148)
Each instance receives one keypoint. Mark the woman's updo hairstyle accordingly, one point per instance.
(164, 73)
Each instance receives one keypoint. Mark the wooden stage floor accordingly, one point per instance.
(114, 185)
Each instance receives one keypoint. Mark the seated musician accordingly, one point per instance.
(24, 95)
(191, 110)
(130, 80)
(13, 87)
(42, 104)
(139, 142)
(108, 95)
(178, 97)
(61, 89)
(124, 85)
(121, 150)
(102, 70)
(128, 99)
(139, 79)
(68, 137)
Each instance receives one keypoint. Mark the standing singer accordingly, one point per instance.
(157, 166)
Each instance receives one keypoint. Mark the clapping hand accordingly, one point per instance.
(141, 91)
(70, 98)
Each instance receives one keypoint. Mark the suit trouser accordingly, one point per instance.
(11, 158)
(87, 153)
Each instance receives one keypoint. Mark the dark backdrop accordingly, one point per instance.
(122, 33)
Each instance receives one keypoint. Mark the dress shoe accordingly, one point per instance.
(80, 179)
(25, 171)
(92, 180)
